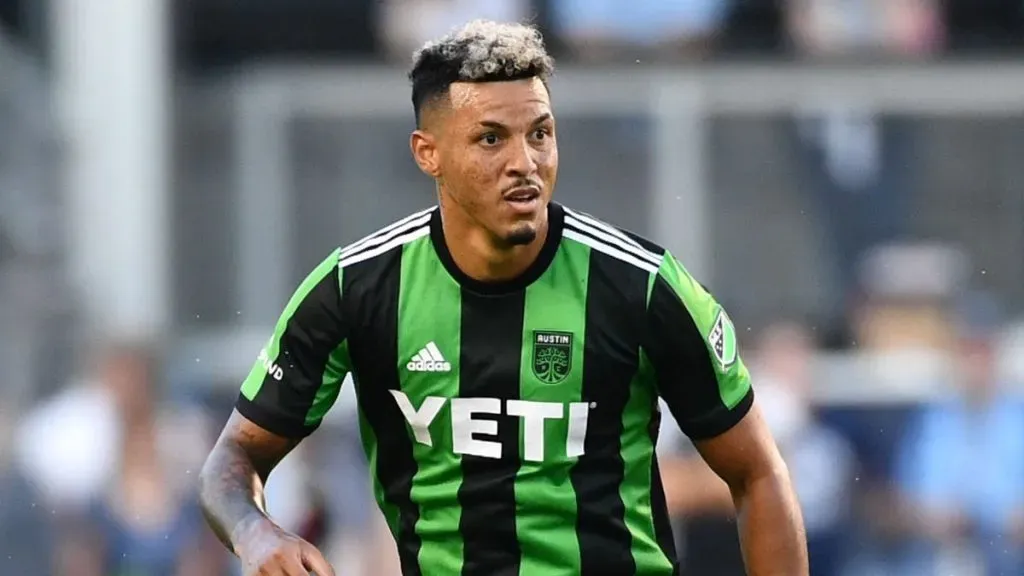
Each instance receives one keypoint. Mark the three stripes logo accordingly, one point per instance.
(609, 240)
(429, 359)
(386, 239)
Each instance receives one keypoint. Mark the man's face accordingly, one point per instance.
(497, 156)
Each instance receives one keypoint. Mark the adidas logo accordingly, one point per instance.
(429, 359)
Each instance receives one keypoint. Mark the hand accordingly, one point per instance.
(267, 550)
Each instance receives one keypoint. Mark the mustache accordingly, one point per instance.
(523, 183)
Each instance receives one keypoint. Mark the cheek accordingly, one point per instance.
(472, 183)
(478, 174)
(547, 163)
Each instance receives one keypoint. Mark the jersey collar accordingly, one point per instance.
(556, 218)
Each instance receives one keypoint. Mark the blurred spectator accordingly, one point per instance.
(141, 519)
(831, 28)
(906, 291)
(71, 469)
(609, 29)
(407, 24)
(857, 163)
(962, 463)
(27, 524)
(821, 462)
(904, 328)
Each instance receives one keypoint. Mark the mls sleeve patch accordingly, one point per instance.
(722, 339)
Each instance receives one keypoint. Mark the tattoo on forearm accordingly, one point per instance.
(230, 488)
(231, 484)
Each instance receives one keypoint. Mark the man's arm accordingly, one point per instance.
(692, 347)
(770, 524)
(691, 487)
(233, 477)
(232, 498)
(291, 386)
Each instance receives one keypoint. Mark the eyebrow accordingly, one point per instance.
(499, 126)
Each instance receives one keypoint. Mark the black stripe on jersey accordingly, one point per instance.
(492, 328)
(685, 374)
(616, 294)
(312, 332)
(371, 290)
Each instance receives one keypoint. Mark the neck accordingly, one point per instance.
(478, 253)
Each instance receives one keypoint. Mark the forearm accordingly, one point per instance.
(771, 527)
(231, 492)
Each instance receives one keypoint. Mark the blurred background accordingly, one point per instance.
(845, 175)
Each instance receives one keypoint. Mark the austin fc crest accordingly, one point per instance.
(552, 356)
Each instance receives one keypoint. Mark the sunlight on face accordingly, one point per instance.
(499, 156)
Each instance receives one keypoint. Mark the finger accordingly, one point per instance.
(274, 567)
(294, 568)
(289, 563)
(314, 561)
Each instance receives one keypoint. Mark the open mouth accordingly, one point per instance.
(524, 197)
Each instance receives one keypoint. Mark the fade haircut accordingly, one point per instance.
(480, 51)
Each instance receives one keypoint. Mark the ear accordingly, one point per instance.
(424, 150)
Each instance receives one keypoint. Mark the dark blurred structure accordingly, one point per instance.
(214, 33)
(217, 33)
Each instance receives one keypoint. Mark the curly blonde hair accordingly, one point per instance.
(479, 51)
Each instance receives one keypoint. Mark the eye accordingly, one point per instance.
(541, 133)
(490, 139)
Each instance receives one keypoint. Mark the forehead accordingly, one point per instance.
(475, 99)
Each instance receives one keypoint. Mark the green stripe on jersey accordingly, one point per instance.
(637, 451)
(430, 320)
(335, 370)
(552, 373)
(254, 381)
(716, 328)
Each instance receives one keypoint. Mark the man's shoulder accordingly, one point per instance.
(387, 238)
(612, 240)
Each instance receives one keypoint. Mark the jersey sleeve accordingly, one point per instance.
(691, 346)
(298, 374)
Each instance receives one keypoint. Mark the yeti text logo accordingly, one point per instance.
(272, 368)
(466, 428)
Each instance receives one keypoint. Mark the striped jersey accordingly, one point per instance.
(510, 427)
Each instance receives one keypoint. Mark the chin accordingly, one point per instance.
(521, 235)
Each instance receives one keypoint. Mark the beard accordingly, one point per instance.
(521, 235)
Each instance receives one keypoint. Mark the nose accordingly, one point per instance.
(521, 161)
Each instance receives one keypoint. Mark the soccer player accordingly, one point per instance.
(508, 355)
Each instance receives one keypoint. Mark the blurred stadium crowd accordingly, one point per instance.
(882, 302)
